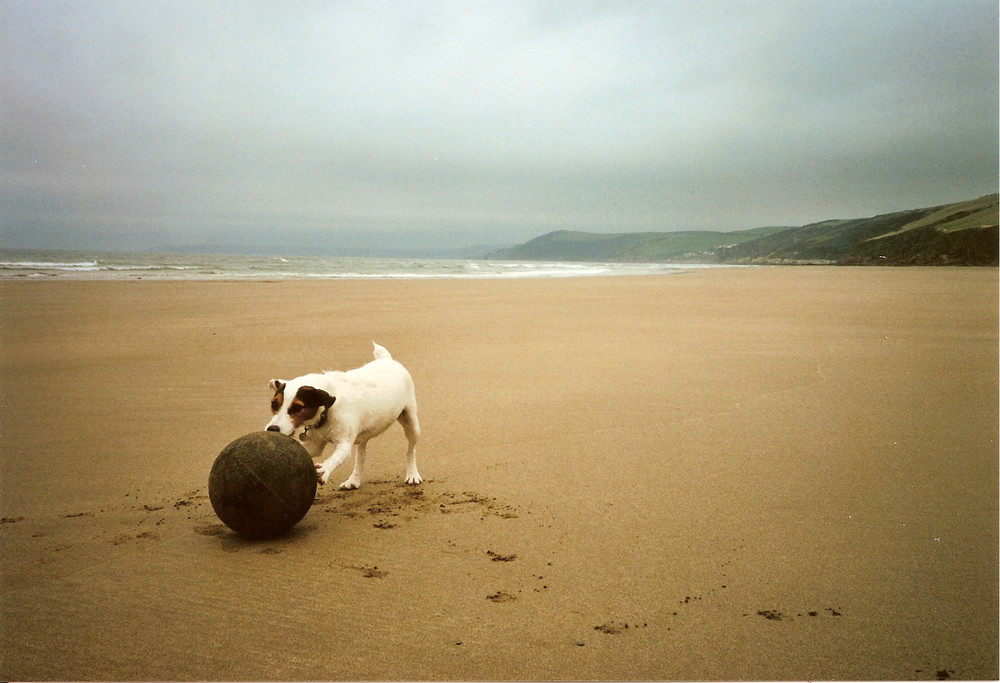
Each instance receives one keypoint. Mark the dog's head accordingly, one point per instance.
(296, 406)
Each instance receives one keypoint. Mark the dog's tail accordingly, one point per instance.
(381, 353)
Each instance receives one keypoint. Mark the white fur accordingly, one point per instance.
(368, 400)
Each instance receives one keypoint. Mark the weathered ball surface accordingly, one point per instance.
(262, 484)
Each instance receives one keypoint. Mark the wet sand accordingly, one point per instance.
(735, 474)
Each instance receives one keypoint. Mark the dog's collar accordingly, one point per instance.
(322, 421)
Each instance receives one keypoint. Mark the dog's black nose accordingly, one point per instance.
(274, 428)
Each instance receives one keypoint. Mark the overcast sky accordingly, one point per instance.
(145, 123)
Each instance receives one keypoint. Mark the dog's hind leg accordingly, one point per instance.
(411, 427)
(354, 481)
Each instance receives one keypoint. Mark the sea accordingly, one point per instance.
(88, 265)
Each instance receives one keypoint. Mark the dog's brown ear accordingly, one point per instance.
(311, 396)
(277, 385)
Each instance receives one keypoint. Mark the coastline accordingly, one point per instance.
(133, 266)
(740, 474)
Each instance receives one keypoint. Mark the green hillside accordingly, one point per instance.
(963, 233)
(567, 245)
(827, 242)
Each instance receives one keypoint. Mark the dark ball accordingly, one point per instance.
(262, 484)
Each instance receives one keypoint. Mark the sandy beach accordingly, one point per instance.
(729, 474)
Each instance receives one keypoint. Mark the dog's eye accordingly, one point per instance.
(275, 405)
(294, 408)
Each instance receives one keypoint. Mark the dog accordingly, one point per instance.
(347, 409)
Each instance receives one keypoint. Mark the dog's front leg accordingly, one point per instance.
(354, 481)
(341, 452)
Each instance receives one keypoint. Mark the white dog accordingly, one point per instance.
(347, 409)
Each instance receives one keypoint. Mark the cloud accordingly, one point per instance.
(170, 120)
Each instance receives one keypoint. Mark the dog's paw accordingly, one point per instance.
(350, 484)
(412, 478)
(321, 475)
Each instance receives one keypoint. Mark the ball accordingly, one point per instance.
(262, 484)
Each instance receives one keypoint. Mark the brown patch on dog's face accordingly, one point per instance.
(299, 412)
(307, 403)
(279, 396)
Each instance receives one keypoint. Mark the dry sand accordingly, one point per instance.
(773, 473)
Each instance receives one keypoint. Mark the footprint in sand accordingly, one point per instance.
(501, 596)
(614, 628)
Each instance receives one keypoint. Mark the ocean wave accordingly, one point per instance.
(149, 267)
(155, 266)
(50, 265)
(89, 266)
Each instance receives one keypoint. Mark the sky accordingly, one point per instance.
(321, 125)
